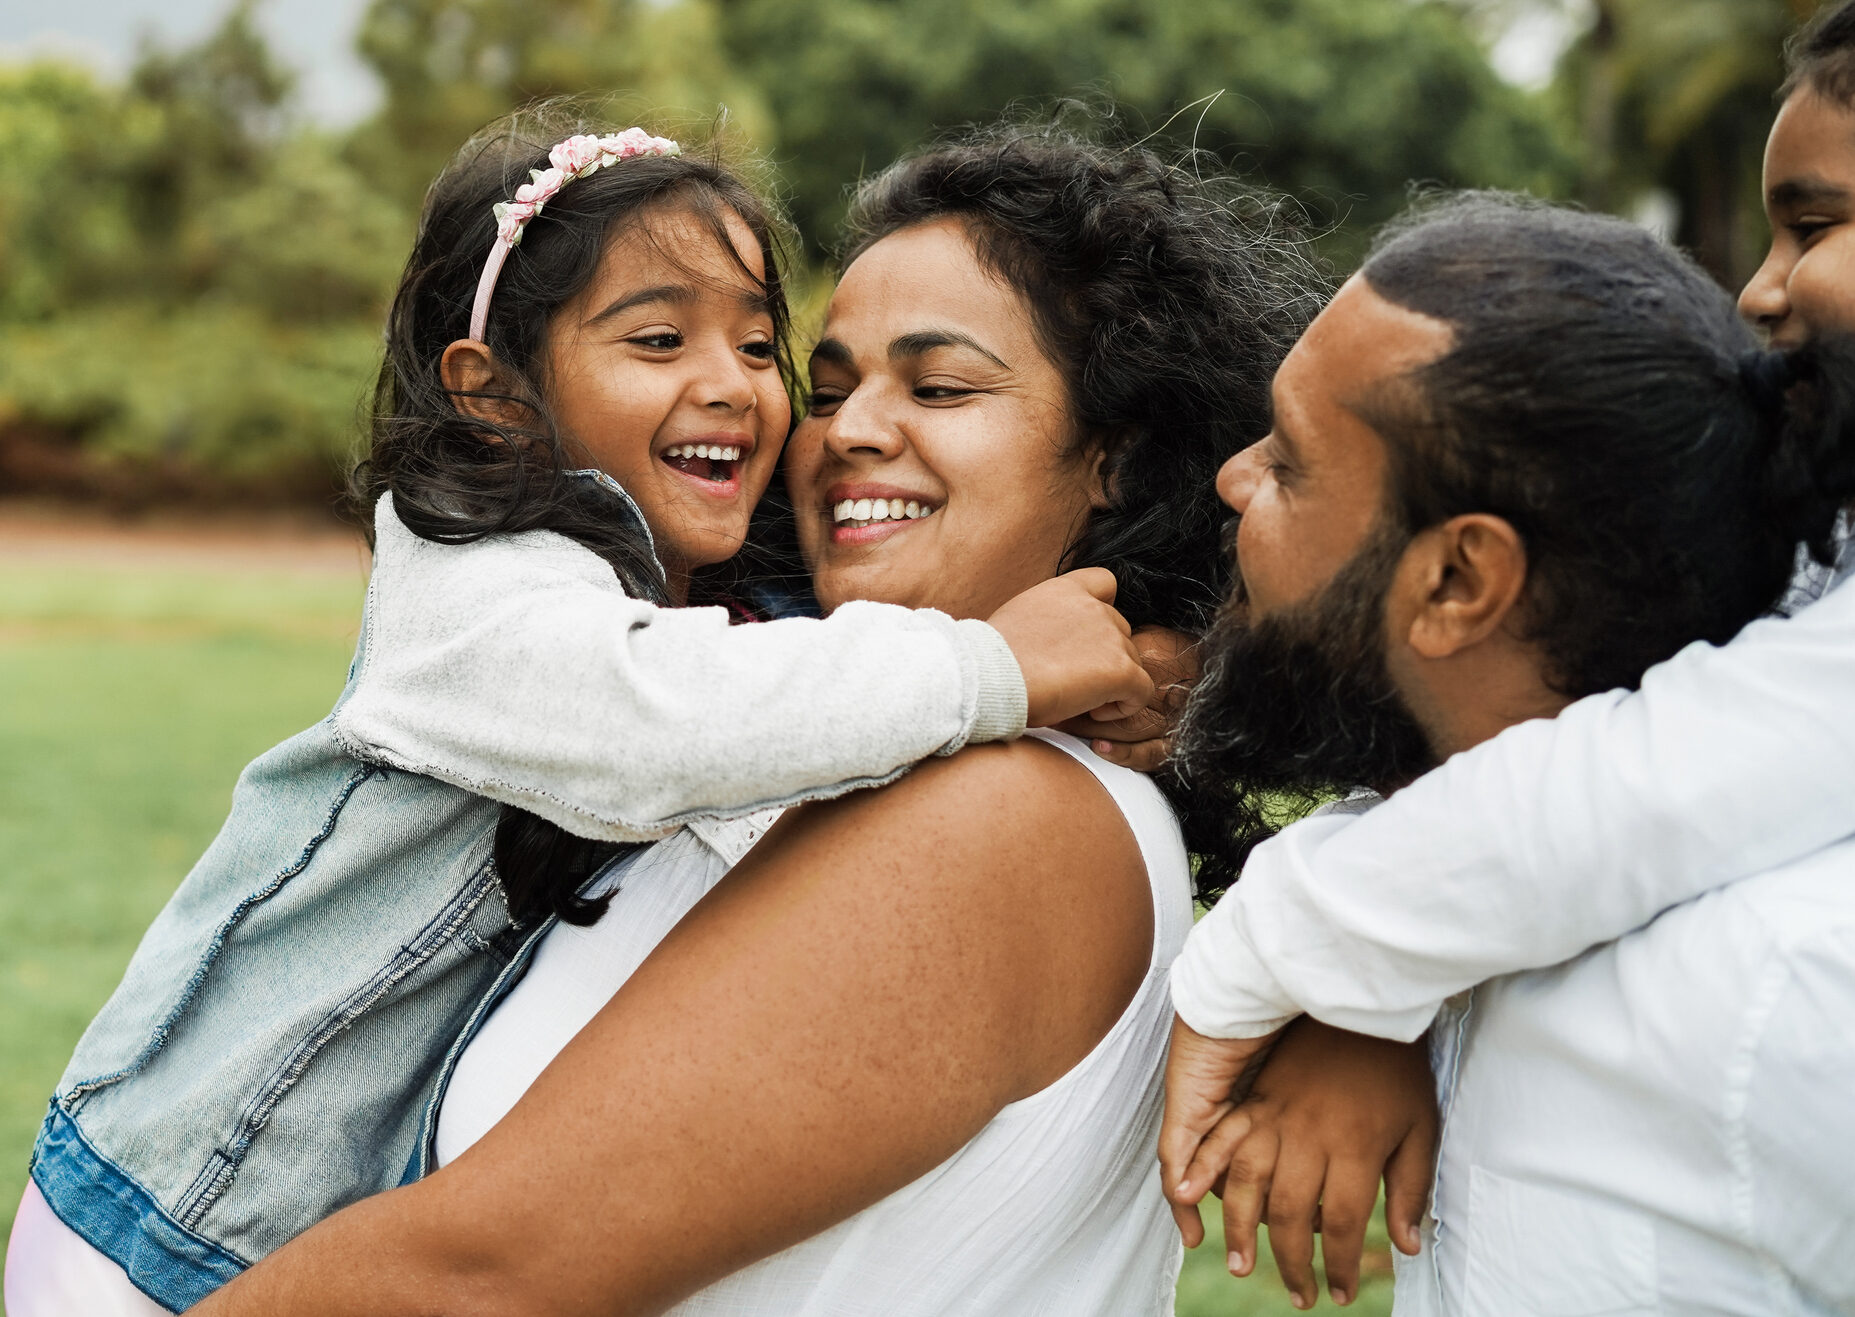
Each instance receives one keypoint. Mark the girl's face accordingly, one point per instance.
(662, 374)
(938, 465)
(1807, 284)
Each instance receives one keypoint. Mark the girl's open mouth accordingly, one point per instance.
(716, 463)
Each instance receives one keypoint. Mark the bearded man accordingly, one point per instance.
(1524, 455)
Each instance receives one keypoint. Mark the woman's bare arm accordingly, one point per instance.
(842, 1013)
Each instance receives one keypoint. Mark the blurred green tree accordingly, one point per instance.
(1343, 102)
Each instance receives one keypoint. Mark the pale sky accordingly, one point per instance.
(314, 36)
(317, 36)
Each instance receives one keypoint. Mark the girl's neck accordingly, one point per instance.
(676, 583)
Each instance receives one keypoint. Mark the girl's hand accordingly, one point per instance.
(1204, 1082)
(1142, 741)
(1076, 653)
(1329, 1113)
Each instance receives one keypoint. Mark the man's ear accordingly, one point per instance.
(469, 369)
(1458, 583)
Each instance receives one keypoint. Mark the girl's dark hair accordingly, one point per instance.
(1603, 396)
(1821, 55)
(1167, 296)
(456, 477)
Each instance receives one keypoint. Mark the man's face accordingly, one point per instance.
(1807, 284)
(1296, 694)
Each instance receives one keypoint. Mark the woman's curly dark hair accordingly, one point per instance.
(1167, 294)
(457, 477)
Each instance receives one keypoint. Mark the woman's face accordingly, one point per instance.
(938, 466)
(663, 375)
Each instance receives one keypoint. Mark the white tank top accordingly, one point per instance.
(1053, 1208)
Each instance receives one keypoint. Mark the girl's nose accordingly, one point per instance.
(1765, 301)
(727, 384)
(1236, 480)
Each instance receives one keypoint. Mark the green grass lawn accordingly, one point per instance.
(129, 700)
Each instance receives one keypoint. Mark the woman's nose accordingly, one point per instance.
(861, 427)
(1765, 301)
(1236, 480)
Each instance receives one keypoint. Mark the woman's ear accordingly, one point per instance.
(469, 371)
(1461, 581)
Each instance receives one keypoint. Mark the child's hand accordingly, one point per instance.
(1204, 1081)
(1329, 1113)
(1143, 740)
(1077, 654)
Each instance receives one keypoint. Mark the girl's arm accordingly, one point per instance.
(1555, 836)
(852, 1004)
(517, 669)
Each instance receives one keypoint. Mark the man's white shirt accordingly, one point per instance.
(1666, 1123)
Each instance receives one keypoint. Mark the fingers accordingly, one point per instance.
(1142, 756)
(1098, 581)
(1143, 724)
(1346, 1202)
(1211, 1160)
(1293, 1199)
(1246, 1189)
(1407, 1188)
(1173, 658)
(1189, 1222)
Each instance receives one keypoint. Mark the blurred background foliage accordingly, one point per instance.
(192, 275)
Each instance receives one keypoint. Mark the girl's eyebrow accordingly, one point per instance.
(1807, 191)
(645, 296)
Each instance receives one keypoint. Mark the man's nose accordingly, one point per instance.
(1765, 301)
(1236, 480)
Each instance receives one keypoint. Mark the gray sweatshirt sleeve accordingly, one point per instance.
(517, 668)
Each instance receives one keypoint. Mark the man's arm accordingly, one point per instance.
(838, 1017)
(1556, 836)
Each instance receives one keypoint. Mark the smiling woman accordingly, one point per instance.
(918, 1015)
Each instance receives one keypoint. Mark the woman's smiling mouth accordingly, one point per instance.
(864, 515)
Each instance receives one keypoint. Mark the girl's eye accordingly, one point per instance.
(668, 341)
(759, 351)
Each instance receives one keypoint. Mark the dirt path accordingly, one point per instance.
(35, 533)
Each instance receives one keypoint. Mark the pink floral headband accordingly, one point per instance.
(574, 158)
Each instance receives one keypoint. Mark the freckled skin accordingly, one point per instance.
(1807, 284)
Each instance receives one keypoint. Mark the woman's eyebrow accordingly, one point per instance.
(832, 352)
(926, 340)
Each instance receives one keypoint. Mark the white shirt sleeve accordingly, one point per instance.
(517, 668)
(1553, 837)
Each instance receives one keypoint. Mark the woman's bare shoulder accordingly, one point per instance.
(1023, 864)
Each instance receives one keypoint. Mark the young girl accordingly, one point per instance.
(581, 404)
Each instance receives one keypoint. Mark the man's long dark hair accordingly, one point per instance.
(456, 476)
(1167, 295)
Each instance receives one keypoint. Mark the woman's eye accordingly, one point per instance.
(941, 392)
(822, 402)
(669, 341)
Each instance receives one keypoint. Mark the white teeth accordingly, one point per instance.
(866, 511)
(703, 450)
(714, 452)
(731, 454)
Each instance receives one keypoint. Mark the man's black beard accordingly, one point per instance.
(1301, 705)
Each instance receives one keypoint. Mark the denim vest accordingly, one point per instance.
(279, 1043)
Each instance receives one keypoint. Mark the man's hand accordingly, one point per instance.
(1143, 740)
(1077, 654)
(1329, 1114)
(1203, 1079)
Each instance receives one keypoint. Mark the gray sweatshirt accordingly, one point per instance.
(519, 669)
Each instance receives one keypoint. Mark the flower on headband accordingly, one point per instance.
(574, 158)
